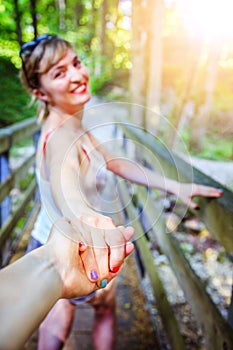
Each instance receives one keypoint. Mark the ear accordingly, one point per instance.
(41, 95)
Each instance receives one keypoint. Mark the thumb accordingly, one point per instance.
(127, 232)
(129, 247)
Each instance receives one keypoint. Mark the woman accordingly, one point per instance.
(68, 163)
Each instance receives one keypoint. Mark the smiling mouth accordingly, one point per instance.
(80, 89)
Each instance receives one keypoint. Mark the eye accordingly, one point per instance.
(77, 63)
(58, 74)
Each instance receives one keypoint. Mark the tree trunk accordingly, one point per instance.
(114, 14)
(78, 13)
(155, 16)
(179, 117)
(103, 20)
(18, 24)
(62, 9)
(138, 59)
(34, 16)
(99, 65)
(201, 119)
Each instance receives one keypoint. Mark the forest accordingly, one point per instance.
(172, 57)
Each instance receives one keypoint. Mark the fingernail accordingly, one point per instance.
(82, 245)
(197, 208)
(115, 269)
(103, 283)
(220, 191)
(94, 275)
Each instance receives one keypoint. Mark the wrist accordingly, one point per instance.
(172, 187)
(48, 268)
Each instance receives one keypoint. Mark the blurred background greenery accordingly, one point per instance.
(174, 57)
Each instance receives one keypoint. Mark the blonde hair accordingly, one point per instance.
(45, 54)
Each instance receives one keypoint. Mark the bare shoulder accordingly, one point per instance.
(63, 142)
(94, 141)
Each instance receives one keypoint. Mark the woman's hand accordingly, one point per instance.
(186, 192)
(58, 269)
(107, 246)
(85, 267)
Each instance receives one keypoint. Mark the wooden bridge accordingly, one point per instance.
(146, 317)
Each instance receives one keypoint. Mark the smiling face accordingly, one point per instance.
(65, 85)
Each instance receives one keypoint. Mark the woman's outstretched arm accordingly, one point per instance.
(136, 173)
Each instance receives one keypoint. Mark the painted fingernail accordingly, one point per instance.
(103, 283)
(82, 245)
(220, 191)
(115, 269)
(197, 208)
(94, 275)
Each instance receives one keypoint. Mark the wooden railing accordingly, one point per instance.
(216, 214)
(17, 182)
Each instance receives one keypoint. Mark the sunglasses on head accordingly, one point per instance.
(27, 48)
(26, 51)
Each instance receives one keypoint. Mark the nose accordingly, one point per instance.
(75, 74)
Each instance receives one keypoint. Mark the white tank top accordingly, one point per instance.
(92, 184)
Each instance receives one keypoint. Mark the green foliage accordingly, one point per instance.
(24, 183)
(16, 150)
(78, 24)
(216, 148)
(14, 101)
(10, 50)
(217, 144)
(223, 95)
(7, 20)
(21, 223)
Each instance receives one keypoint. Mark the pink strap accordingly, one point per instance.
(86, 154)
(46, 138)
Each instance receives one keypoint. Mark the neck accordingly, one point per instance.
(58, 116)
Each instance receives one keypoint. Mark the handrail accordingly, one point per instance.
(217, 214)
(17, 132)
(217, 330)
(10, 179)
(169, 320)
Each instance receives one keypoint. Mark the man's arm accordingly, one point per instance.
(32, 285)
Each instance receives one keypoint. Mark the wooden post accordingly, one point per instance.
(5, 206)
(36, 137)
(230, 311)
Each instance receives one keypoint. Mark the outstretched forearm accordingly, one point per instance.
(29, 289)
(32, 285)
(140, 175)
(134, 172)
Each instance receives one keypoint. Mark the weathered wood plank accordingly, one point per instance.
(22, 243)
(6, 230)
(15, 177)
(17, 132)
(165, 309)
(5, 187)
(217, 214)
(4, 140)
(216, 329)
